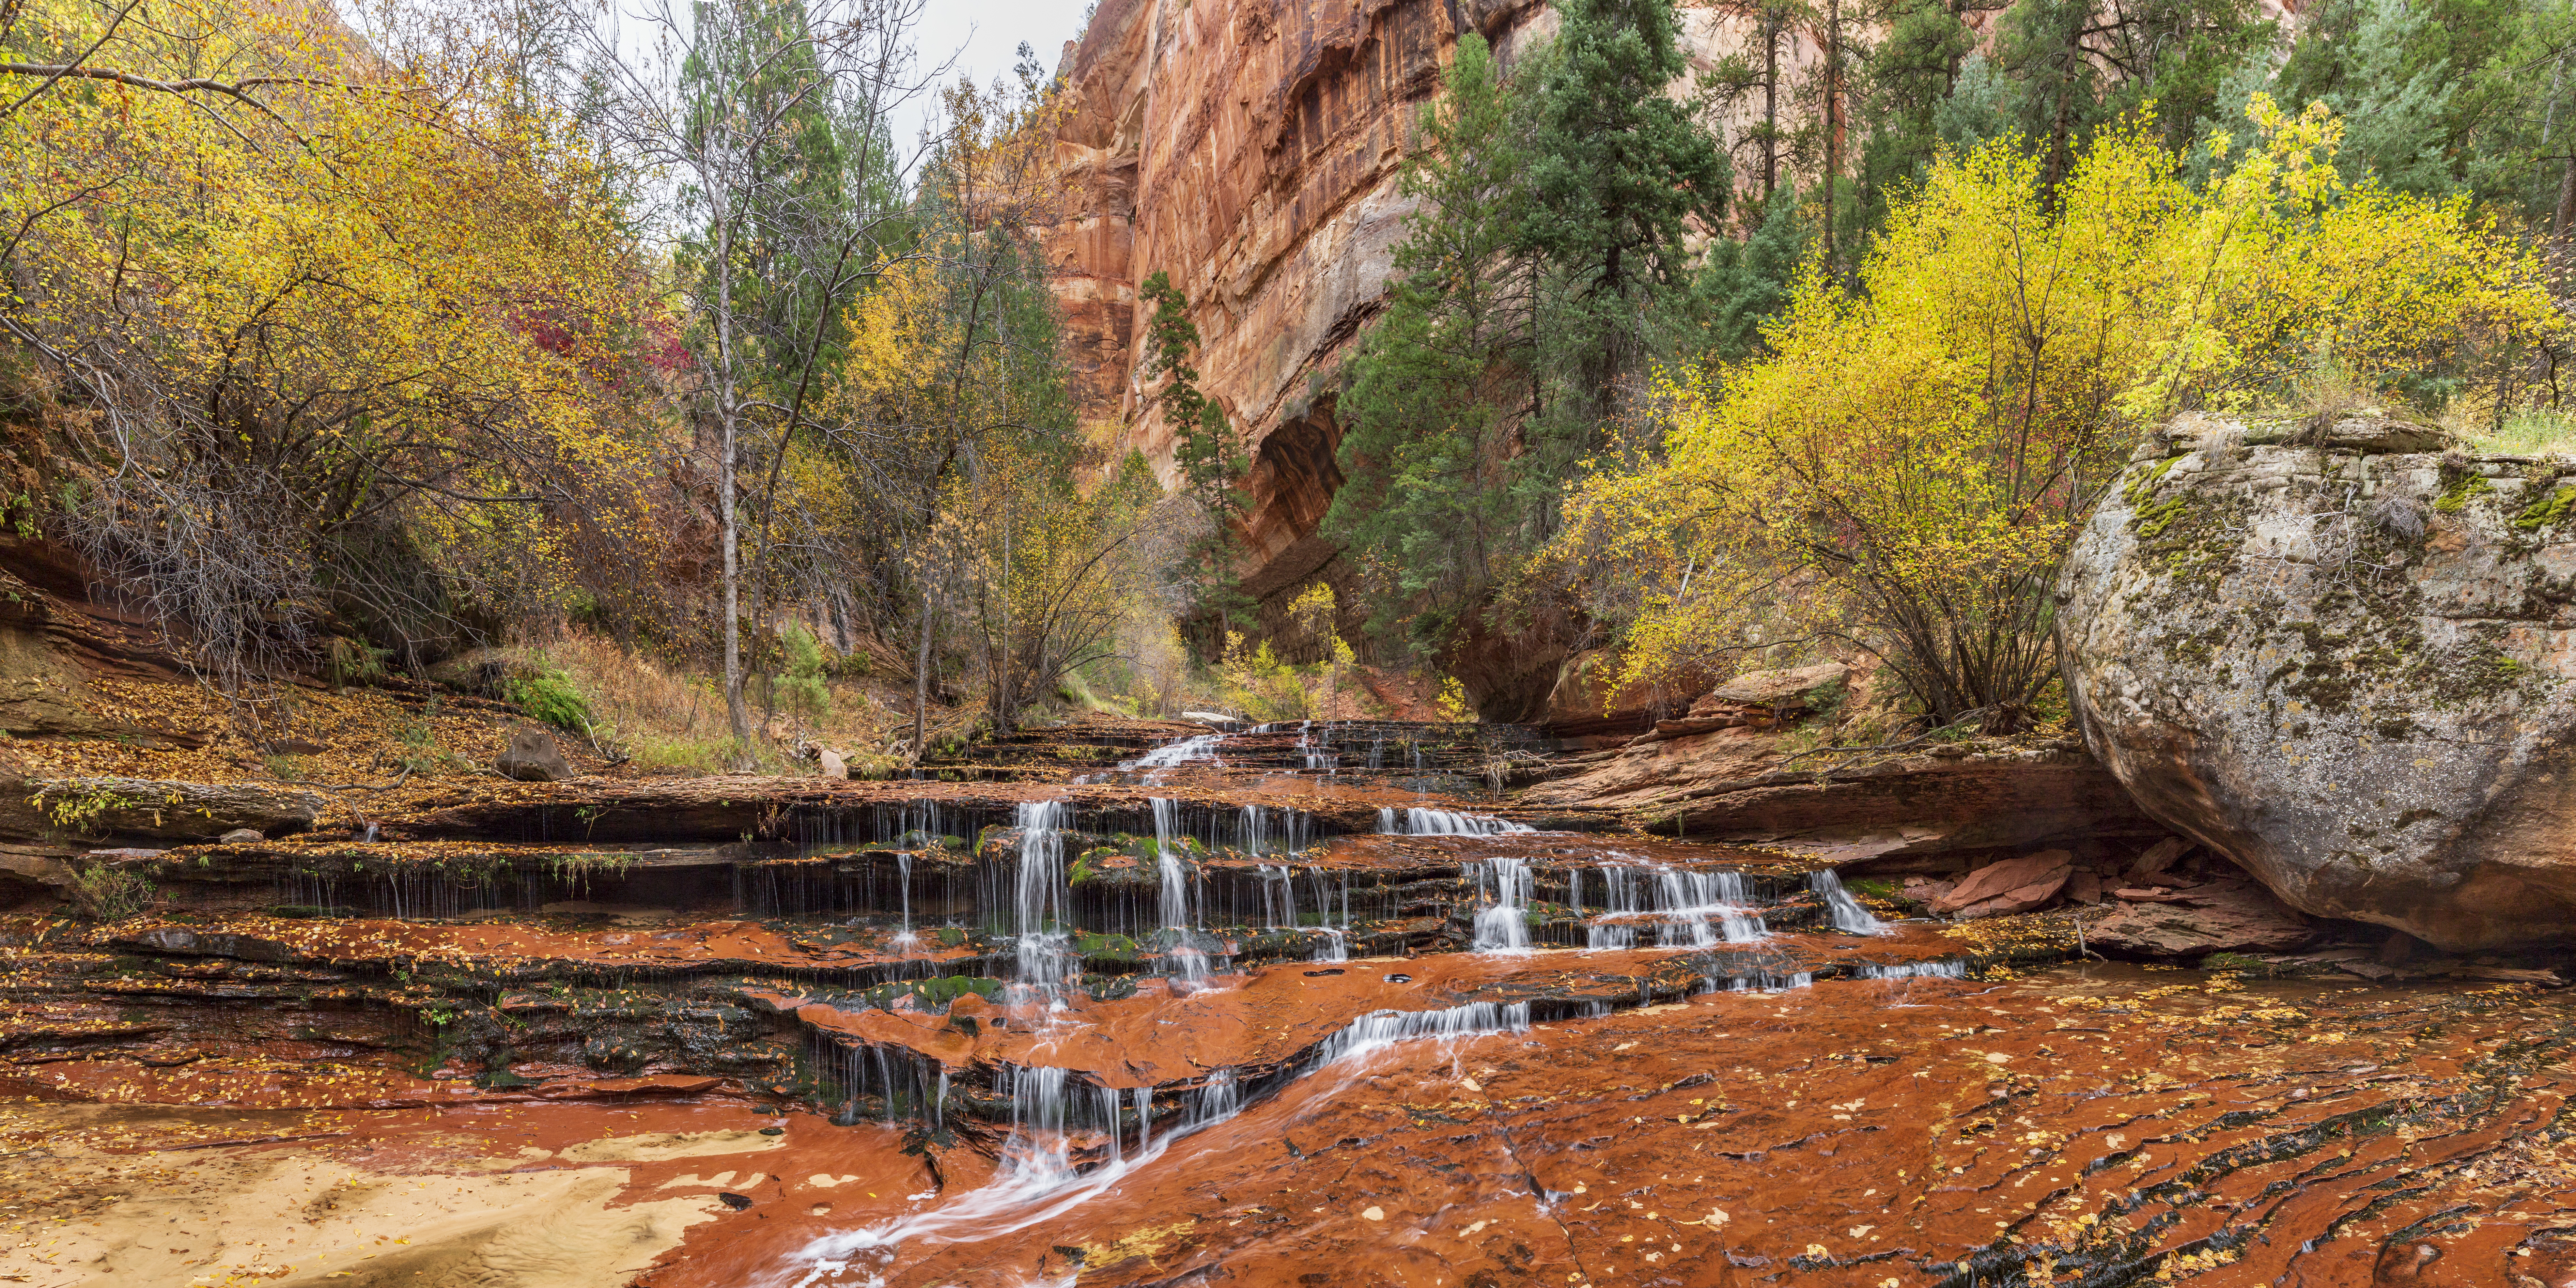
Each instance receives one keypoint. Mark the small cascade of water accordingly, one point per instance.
(1503, 926)
(1254, 830)
(903, 869)
(1846, 911)
(1686, 909)
(1046, 961)
(1418, 821)
(1379, 1030)
(1198, 746)
(1044, 1157)
(1278, 896)
(1189, 963)
(1031, 1188)
(1946, 968)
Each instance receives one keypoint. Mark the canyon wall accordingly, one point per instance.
(1251, 150)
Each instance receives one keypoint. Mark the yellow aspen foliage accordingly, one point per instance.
(304, 288)
(1909, 463)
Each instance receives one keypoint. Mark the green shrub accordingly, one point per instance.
(549, 696)
(801, 688)
(104, 893)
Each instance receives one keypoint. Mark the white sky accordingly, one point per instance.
(983, 37)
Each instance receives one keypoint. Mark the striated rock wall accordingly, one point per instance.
(2345, 666)
(1250, 149)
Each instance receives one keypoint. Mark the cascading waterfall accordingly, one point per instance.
(1846, 911)
(1189, 962)
(1030, 1190)
(1253, 830)
(1945, 968)
(903, 867)
(1046, 960)
(1195, 747)
(1418, 821)
(1689, 909)
(1503, 926)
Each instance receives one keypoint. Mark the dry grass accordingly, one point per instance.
(2535, 432)
(673, 721)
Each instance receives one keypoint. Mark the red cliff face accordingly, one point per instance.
(1250, 149)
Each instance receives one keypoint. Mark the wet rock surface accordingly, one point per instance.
(1282, 1005)
(2343, 666)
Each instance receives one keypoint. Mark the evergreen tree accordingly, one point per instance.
(1745, 284)
(1428, 505)
(1616, 167)
(1205, 446)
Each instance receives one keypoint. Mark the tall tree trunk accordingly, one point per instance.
(2566, 216)
(729, 420)
(1833, 117)
(1770, 100)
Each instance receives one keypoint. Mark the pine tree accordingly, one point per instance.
(1616, 170)
(1209, 453)
(1427, 507)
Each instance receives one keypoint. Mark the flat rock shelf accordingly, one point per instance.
(1269, 1005)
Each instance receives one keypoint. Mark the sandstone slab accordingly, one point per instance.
(2231, 916)
(1996, 879)
(150, 809)
(2347, 668)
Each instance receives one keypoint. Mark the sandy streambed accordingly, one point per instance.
(510, 1196)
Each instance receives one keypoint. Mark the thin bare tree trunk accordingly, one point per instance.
(729, 415)
(921, 680)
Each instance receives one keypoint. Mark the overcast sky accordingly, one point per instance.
(983, 37)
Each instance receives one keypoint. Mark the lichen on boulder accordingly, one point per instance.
(2342, 659)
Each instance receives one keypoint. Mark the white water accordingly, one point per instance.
(1047, 962)
(903, 867)
(1418, 821)
(1030, 1189)
(1948, 968)
(1189, 962)
(1846, 911)
(1503, 926)
(1687, 909)
(1199, 746)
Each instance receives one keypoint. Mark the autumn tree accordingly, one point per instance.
(1909, 464)
(763, 114)
(346, 326)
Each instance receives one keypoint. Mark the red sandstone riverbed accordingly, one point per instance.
(2096, 1124)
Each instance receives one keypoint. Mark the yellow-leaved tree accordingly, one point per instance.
(1909, 464)
(344, 327)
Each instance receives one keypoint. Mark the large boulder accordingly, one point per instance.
(2342, 661)
(533, 757)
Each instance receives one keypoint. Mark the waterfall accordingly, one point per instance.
(1038, 1101)
(1188, 962)
(1198, 746)
(1379, 1030)
(1045, 956)
(903, 868)
(1848, 915)
(1693, 909)
(1279, 911)
(1504, 926)
(1029, 1191)
(1254, 831)
(1440, 822)
(1945, 968)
